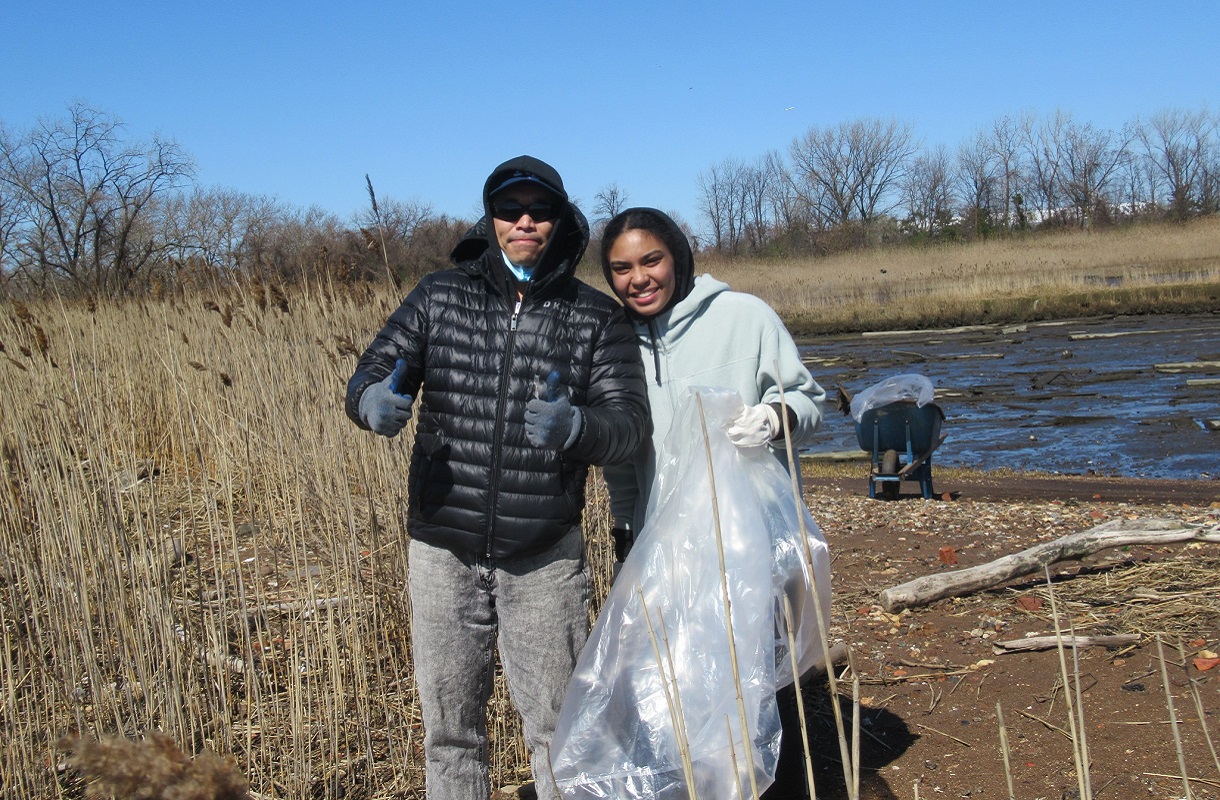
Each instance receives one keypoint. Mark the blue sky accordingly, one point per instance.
(300, 100)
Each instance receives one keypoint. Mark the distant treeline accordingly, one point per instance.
(87, 211)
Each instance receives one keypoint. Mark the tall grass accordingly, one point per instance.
(195, 540)
(1071, 273)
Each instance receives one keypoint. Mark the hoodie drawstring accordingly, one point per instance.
(656, 352)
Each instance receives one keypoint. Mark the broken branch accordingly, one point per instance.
(1115, 533)
(1047, 642)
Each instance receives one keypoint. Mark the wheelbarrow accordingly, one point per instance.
(900, 438)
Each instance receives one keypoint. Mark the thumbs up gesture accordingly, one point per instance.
(382, 408)
(551, 421)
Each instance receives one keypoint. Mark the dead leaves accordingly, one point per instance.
(1028, 602)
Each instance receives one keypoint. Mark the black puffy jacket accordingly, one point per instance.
(473, 362)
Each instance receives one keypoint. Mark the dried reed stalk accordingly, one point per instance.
(669, 685)
(1200, 713)
(800, 696)
(1173, 720)
(845, 757)
(728, 605)
(1077, 728)
(854, 792)
(385, 256)
(1004, 750)
(82, 533)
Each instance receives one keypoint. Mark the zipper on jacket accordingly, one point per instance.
(498, 438)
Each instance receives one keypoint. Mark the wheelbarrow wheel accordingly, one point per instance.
(889, 466)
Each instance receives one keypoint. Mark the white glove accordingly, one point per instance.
(754, 426)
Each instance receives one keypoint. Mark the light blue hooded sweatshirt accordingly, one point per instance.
(711, 337)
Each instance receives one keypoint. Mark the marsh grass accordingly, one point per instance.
(155, 429)
(1071, 273)
(194, 540)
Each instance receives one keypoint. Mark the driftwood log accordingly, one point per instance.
(1049, 642)
(1115, 533)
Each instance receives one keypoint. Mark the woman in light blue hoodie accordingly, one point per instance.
(695, 331)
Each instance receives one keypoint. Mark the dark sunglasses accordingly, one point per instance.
(511, 210)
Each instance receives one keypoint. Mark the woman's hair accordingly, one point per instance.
(646, 219)
(665, 229)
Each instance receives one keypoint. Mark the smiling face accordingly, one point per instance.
(642, 272)
(524, 238)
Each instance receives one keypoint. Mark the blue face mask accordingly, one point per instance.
(523, 274)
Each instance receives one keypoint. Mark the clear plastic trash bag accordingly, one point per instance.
(909, 386)
(656, 677)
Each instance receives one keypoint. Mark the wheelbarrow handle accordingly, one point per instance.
(915, 462)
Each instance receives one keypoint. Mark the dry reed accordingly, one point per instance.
(195, 540)
(1174, 722)
(1070, 273)
(152, 769)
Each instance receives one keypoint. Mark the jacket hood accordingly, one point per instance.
(663, 227)
(680, 316)
(569, 237)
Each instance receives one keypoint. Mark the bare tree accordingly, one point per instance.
(852, 171)
(13, 210)
(757, 182)
(414, 258)
(298, 245)
(824, 178)
(1042, 145)
(608, 202)
(976, 179)
(722, 203)
(1176, 145)
(87, 192)
(926, 192)
(786, 209)
(712, 204)
(685, 227)
(883, 151)
(1004, 148)
(1092, 158)
(432, 241)
(1141, 183)
(219, 231)
(1209, 169)
(388, 228)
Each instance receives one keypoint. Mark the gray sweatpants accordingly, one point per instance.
(538, 605)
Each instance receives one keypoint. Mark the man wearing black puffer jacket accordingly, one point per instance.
(520, 377)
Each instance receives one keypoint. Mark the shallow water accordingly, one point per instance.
(1072, 397)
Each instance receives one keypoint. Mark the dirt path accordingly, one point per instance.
(931, 680)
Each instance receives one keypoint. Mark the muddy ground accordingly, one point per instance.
(931, 679)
